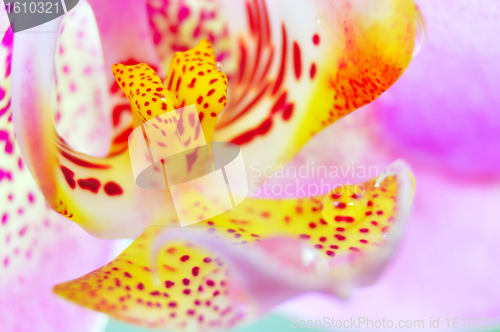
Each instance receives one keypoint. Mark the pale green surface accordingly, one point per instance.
(274, 323)
(271, 323)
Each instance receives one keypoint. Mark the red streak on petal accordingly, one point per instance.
(81, 162)
(268, 65)
(281, 74)
(287, 113)
(251, 21)
(297, 60)
(279, 104)
(266, 21)
(117, 112)
(259, 41)
(5, 109)
(251, 104)
(262, 129)
(313, 71)
(171, 79)
(243, 61)
(123, 137)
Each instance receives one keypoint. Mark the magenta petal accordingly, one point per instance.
(82, 117)
(124, 29)
(446, 105)
(51, 250)
(38, 248)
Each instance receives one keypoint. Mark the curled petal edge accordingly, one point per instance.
(267, 274)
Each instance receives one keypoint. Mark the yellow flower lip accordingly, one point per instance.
(163, 278)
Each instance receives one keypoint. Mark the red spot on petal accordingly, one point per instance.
(112, 189)
(68, 175)
(340, 237)
(316, 39)
(90, 184)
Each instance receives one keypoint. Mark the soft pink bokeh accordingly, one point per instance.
(445, 110)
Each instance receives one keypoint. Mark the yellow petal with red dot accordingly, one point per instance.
(194, 79)
(189, 291)
(143, 87)
(298, 68)
(351, 233)
(350, 218)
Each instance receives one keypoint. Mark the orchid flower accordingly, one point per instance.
(285, 82)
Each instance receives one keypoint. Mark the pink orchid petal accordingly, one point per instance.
(124, 30)
(446, 104)
(38, 248)
(126, 38)
(178, 26)
(83, 116)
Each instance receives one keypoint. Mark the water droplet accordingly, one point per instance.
(344, 207)
(319, 18)
(420, 32)
(219, 66)
(308, 255)
(386, 231)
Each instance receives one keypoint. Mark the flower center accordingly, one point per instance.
(193, 79)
